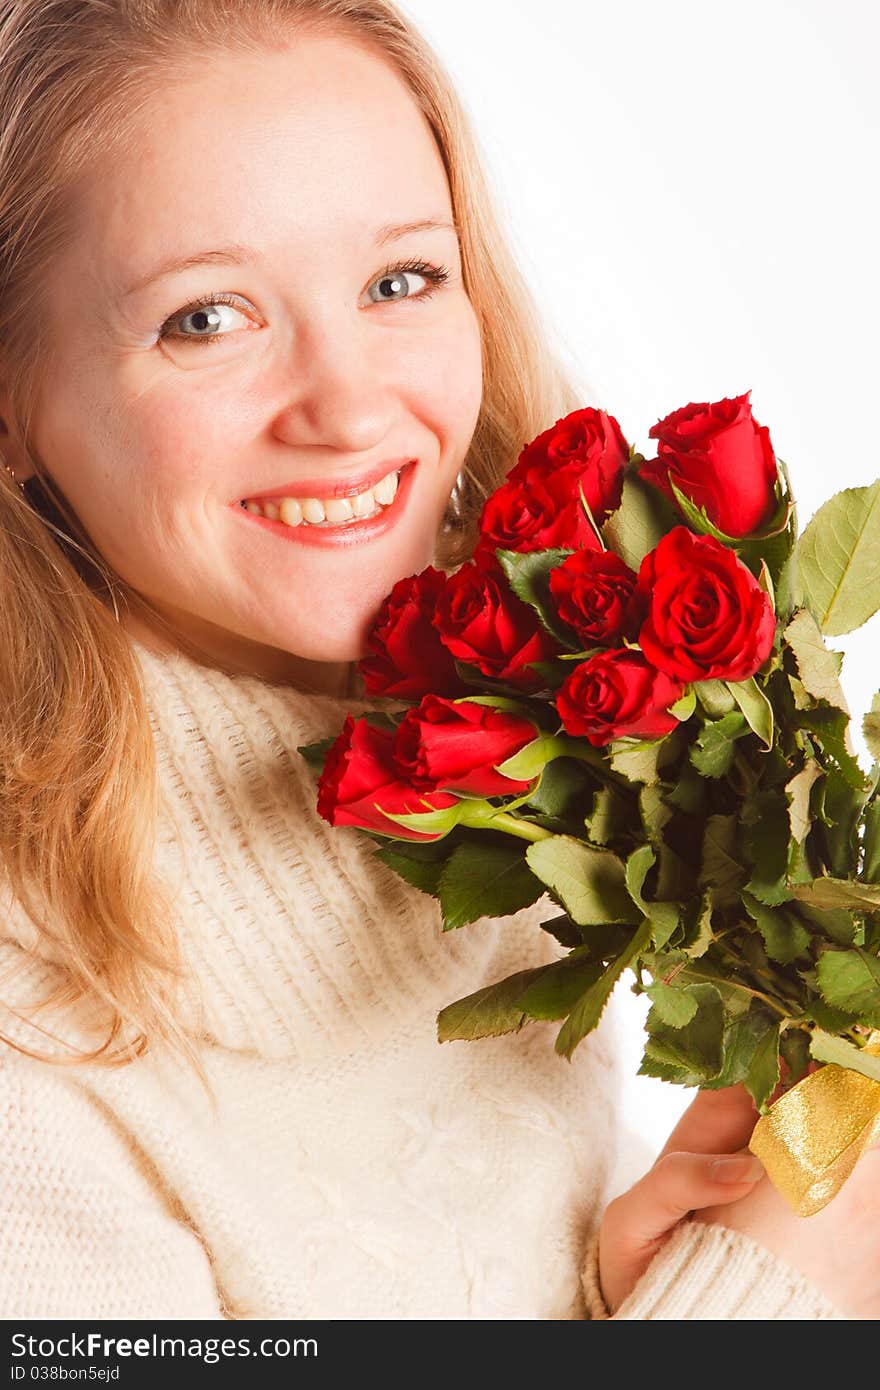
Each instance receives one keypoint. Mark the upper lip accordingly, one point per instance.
(346, 485)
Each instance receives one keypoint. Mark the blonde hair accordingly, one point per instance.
(78, 788)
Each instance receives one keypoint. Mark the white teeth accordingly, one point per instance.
(386, 489)
(338, 509)
(364, 504)
(289, 511)
(334, 511)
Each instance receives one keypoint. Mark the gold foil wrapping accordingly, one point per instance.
(811, 1139)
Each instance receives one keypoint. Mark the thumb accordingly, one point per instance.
(638, 1223)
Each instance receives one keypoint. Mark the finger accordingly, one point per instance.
(678, 1184)
(715, 1122)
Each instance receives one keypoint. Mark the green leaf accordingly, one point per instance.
(831, 728)
(675, 1007)
(488, 1012)
(837, 925)
(559, 988)
(528, 576)
(848, 893)
(839, 560)
(785, 936)
(850, 980)
(590, 883)
(715, 697)
(421, 873)
(871, 843)
(798, 791)
(817, 666)
(642, 519)
(696, 1047)
(315, 754)
(609, 817)
(755, 706)
(684, 707)
(743, 1035)
(532, 759)
(794, 1046)
(871, 728)
(767, 839)
(712, 753)
(689, 793)
(585, 1015)
(563, 929)
(721, 872)
(762, 1077)
(561, 789)
(699, 938)
(842, 1053)
(664, 916)
(636, 760)
(485, 880)
(654, 812)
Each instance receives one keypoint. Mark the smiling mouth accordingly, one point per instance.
(329, 511)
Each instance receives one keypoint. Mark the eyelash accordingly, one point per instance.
(436, 275)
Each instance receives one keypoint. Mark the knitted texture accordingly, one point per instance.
(352, 1167)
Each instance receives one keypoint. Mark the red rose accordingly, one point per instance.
(596, 594)
(721, 459)
(405, 657)
(541, 513)
(360, 776)
(587, 448)
(616, 694)
(444, 744)
(708, 618)
(482, 622)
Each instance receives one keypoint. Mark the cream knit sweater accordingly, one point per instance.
(354, 1167)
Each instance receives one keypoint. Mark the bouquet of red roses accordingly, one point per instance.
(624, 700)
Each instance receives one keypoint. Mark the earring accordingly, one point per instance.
(11, 472)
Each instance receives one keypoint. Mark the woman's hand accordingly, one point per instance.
(837, 1250)
(699, 1168)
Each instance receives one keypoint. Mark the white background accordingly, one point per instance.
(691, 189)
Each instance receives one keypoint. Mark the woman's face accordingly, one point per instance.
(315, 366)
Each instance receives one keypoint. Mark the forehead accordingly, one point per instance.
(320, 138)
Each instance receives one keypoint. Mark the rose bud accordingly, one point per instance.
(617, 694)
(405, 657)
(360, 777)
(596, 594)
(585, 449)
(536, 514)
(721, 459)
(444, 744)
(708, 618)
(482, 622)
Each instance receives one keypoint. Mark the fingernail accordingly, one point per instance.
(738, 1168)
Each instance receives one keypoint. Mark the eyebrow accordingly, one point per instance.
(235, 254)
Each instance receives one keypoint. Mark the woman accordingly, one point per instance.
(249, 270)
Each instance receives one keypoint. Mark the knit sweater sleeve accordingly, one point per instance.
(710, 1273)
(85, 1228)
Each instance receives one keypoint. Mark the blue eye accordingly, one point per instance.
(207, 320)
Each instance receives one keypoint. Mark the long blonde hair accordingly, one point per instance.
(78, 788)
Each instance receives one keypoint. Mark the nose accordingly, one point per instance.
(339, 387)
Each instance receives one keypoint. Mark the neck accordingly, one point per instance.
(237, 656)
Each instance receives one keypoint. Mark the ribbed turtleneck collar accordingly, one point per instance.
(300, 941)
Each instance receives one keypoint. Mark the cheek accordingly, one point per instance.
(448, 381)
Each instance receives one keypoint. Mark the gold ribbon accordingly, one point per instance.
(811, 1139)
